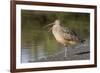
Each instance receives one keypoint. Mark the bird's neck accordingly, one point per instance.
(57, 25)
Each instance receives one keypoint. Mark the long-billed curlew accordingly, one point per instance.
(64, 35)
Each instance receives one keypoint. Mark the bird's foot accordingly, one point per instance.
(65, 57)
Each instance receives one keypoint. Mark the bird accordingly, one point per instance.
(64, 35)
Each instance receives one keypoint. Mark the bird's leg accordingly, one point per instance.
(65, 55)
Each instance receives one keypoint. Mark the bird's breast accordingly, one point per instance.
(58, 35)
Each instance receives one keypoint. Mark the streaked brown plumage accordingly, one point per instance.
(64, 35)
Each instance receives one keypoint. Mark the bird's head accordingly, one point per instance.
(56, 22)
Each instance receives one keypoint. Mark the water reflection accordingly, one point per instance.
(39, 46)
(33, 54)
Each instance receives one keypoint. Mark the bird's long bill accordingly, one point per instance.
(48, 25)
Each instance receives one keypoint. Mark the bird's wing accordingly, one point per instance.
(69, 34)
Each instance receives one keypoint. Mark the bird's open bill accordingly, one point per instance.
(49, 25)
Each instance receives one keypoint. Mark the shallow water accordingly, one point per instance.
(79, 52)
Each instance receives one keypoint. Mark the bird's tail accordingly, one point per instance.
(82, 41)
